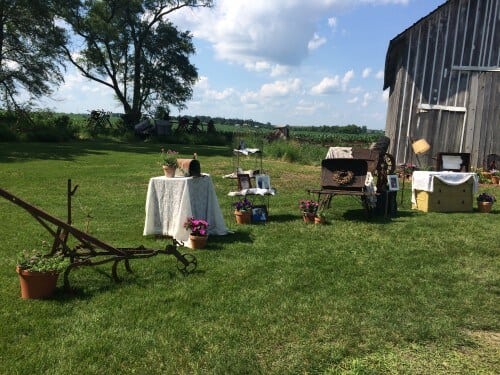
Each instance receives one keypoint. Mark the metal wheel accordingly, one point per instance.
(188, 265)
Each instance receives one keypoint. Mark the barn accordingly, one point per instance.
(443, 75)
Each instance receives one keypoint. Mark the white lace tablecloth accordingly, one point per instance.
(424, 180)
(171, 201)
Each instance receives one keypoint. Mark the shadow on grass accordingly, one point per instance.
(361, 215)
(19, 152)
(216, 243)
(283, 218)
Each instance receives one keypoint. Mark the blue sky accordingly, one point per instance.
(296, 62)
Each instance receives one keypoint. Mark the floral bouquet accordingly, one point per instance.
(485, 197)
(198, 227)
(168, 158)
(308, 206)
(243, 205)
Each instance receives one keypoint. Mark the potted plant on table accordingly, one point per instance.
(309, 209)
(485, 202)
(198, 232)
(243, 211)
(168, 160)
(38, 273)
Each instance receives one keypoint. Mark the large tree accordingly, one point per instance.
(131, 47)
(31, 57)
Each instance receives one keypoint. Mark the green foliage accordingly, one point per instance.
(149, 55)
(36, 260)
(42, 126)
(416, 294)
(31, 58)
(293, 151)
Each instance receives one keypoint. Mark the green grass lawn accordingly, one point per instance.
(416, 294)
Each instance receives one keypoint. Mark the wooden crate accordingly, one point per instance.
(445, 198)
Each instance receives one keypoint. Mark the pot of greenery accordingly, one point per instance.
(168, 160)
(485, 202)
(38, 273)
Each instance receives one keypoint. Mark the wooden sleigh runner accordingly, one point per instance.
(91, 251)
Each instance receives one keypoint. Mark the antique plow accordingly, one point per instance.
(91, 251)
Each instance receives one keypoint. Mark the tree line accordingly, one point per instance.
(128, 46)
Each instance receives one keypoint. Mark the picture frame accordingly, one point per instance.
(244, 182)
(259, 214)
(263, 181)
(393, 182)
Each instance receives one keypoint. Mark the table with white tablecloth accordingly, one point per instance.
(171, 201)
(454, 193)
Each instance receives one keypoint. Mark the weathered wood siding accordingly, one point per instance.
(444, 79)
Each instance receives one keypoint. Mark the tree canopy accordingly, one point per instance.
(31, 57)
(131, 47)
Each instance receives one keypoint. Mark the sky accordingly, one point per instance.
(284, 62)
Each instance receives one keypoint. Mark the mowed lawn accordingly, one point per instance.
(415, 294)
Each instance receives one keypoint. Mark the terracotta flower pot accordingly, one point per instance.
(243, 217)
(484, 207)
(308, 217)
(319, 220)
(169, 171)
(36, 285)
(198, 242)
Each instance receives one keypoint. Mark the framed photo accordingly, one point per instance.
(244, 182)
(393, 182)
(263, 181)
(259, 214)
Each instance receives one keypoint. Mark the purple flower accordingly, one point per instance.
(198, 227)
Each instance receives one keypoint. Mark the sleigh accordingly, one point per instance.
(91, 251)
(352, 171)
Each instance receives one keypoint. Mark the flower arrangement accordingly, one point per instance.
(198, 227)
(36, 261)
(168, 158)
(243, 205)
(485, 197)
(308, 206)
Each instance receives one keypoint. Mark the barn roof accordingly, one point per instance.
(395, 46)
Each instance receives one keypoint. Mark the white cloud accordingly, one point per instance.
(380, 74)
(204, 90)
(327, 85)
(332, 22)
(366, 72)
(280, 88)
(261, 30)
(385, 95)
(347, 78)
(367, 98)
(316, 42)
(304, 107)
(353, 100)
(333, 84)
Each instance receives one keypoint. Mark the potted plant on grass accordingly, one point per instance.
(38, 273)
(198, 232)
(168, 160)
(485, 202)
(309, 208)
(243, 211)
(495, 177)
(320, 218)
